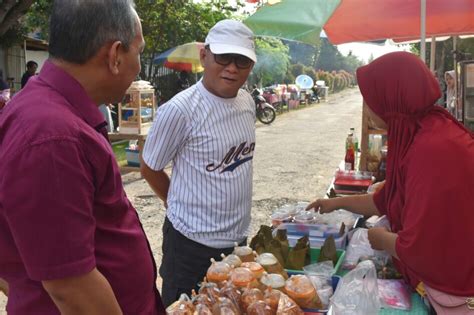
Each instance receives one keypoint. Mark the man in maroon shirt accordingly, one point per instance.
(70, 241)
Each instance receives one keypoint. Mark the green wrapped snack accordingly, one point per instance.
(261, 241)
(285, 245)
(298, 257)
(328, 251)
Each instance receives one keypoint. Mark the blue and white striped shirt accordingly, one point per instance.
(211, 141)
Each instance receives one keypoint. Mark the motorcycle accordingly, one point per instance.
(265, 112)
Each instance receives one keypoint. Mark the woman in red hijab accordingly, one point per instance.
(429, 190)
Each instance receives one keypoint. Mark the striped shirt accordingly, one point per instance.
(211, 141)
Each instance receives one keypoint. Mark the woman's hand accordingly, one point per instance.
(382, 239)
(322, 205)
(376, 237)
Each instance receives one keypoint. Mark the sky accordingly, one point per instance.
(364, 50)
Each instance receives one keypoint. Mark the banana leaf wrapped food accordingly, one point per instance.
(299, 256)
(328, 251)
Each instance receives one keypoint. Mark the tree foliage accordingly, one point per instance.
(330, 59)
(167, 24)
(10, 13)
(273, 61)
(303, 53)
(444, 58)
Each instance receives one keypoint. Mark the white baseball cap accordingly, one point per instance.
(231, 37)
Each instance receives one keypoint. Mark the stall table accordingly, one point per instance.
(141, 144)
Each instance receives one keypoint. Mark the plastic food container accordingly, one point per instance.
(280, 217)
(304, 217)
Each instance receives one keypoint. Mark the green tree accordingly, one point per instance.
(272, 62)
(170, 23)
(329, 58)
(11, 29)
(302, 53)
(37, 18)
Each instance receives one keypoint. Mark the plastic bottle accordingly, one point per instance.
(349, 140)
(355, 140)
(349, 159)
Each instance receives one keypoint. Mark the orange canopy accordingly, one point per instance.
(368, 20)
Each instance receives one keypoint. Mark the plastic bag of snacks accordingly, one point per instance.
(286, 306)
(183, 306)
(302, 291)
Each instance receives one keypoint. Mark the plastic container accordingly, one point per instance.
(133, 156)
(317, 234)
(306, 217)
(314, 255)
(280, 217)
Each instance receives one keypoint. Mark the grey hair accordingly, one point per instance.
(79, 28)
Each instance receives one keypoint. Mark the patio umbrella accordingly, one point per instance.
(300, 20)
(182, 58)
(347, 21)
(366, 20)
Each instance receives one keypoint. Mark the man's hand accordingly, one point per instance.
(86, 294)
(322, 205)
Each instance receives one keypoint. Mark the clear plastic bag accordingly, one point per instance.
(183, 306)
(357, 292)
(320, 275)
(359, 246)
(394, 294)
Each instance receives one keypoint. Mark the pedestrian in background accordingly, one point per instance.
(31, 67)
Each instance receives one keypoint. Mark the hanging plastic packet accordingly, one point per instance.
(357, 292)
(358, 247)
(394, 294)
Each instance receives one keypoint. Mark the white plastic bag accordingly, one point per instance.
(359, 246)
(357, 292)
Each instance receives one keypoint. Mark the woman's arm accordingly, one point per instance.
(361, 204)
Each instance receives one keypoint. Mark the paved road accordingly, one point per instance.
(295, 159)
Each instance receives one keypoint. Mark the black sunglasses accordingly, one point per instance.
(240, 61)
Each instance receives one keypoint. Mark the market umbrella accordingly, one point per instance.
(300, 20)
(367, 20)
(182, 58)
(347, 21)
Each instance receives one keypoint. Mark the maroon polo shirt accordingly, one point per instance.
(63, 210)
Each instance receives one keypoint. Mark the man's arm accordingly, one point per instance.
(159, 181)
(87, 294)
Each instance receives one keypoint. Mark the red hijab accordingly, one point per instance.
(430, 174)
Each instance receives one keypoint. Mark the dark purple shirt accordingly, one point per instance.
(63, 210)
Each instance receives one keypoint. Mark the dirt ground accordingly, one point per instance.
(295, 159)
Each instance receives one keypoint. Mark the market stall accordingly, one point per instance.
(135, 117)
(306, 263)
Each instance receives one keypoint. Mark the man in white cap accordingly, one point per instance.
(208, 132)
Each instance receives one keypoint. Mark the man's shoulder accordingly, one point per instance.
(39, 111)
(184, 101)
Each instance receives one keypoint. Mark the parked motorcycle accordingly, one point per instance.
(265, 112)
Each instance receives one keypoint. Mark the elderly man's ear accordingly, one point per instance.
(113, 55)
